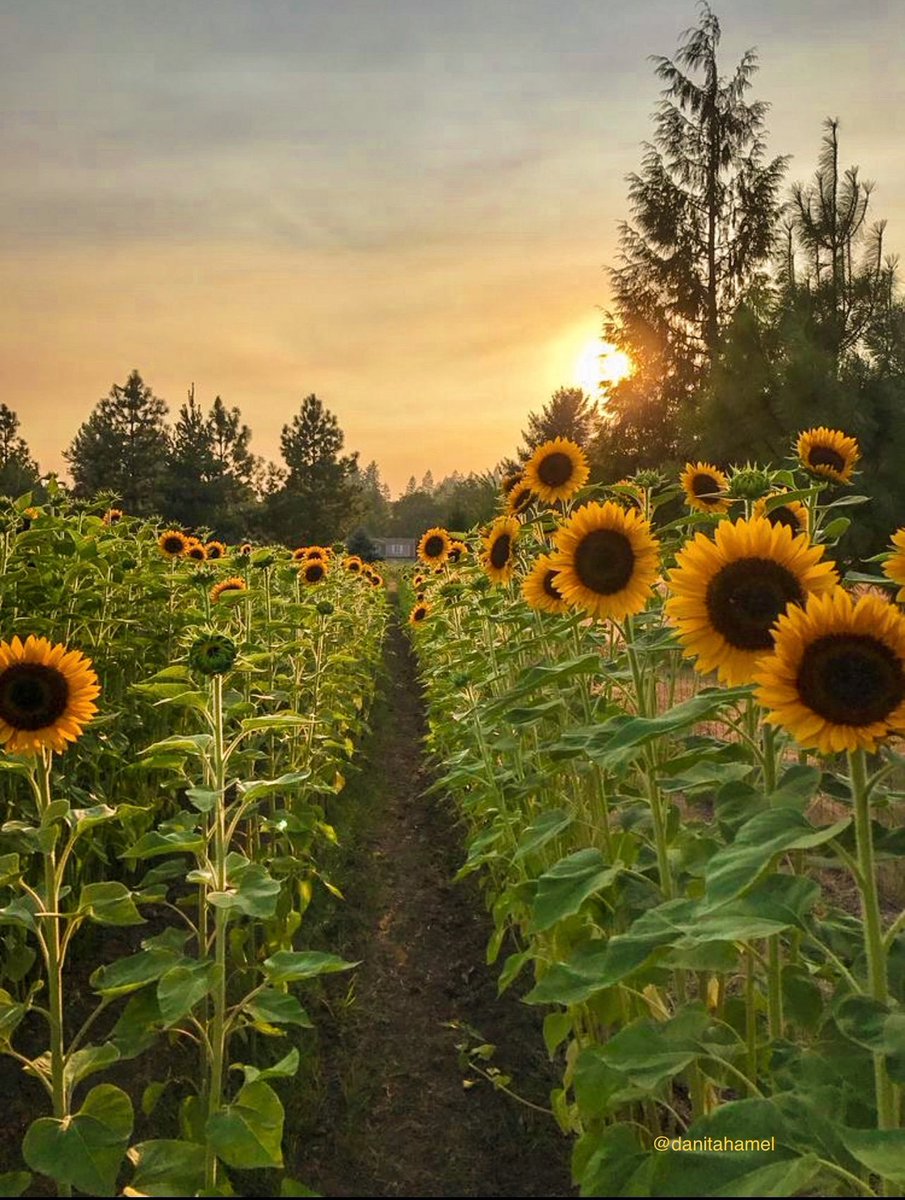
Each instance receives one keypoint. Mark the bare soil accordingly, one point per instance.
(401, 1114)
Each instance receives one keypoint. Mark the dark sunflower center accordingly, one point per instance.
(511, 480)
(196, 552)
(555, 469)
(604, 561)
(745, 598)
(314, 573)
(455, 554)
(172, 545)
(500, 551)
(521, 500)
(826, 456)
(851, 679)
(784, 516)
(702, 485)
(32, 696)
(550, 588)
(433, 547)
(213, 552)
(420, 614)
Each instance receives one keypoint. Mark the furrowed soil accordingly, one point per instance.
(394, 1112)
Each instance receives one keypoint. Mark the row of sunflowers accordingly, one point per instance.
(673, 729)
(175, 716)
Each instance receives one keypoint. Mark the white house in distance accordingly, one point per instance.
(397, 549)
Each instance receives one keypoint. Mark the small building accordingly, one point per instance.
(397, 549)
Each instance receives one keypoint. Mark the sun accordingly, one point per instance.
(601, 363)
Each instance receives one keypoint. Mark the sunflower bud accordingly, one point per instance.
(213, 654)
(749, 483)
(325, 608)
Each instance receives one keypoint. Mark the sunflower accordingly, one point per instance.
(353, 563)
(419, 580)
(317, 552)
(499, 549)
(433, 548)
(520, 499)
(173, 543)
(245, 549)
(728, 591)
(539, 588)
(419, 613)
(894, 566)
(607, 560)
(792, 513)
(457, 551)
(112, 515)
(215, 550)
(300, 555)
(47, 695)
(196, 550)
(212, 654)
(313, 571)
(557, 470)
(234, 584)
(376, 579)
(829, 453)
(702, 483)
(510, 480)
(836, 677)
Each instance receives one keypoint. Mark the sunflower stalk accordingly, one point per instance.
(874, 947)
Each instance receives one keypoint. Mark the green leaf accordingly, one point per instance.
(248, 1133)
(177, 841)
(128, 974)
(281, 720)
(768, 833)
(180, 989)
(9, 868)
(880, 1150)
(288, 965)
(87, 1149)
(563, 889)
(277, 1008)
(14, 1183)
(252, 789)
(85, 1062)
(542, 830)
(87, 818)
(284, 1069)
(195, 745)
(109, 904)
(251, 889)
(292, 1187)
(11, 1013)
(167, 1167)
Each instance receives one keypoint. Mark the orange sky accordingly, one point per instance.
(403, 207)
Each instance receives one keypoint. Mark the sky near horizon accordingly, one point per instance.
(405, 206)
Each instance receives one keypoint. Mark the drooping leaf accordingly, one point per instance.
(87, 1149)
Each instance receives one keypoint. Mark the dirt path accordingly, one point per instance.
(398, 1120)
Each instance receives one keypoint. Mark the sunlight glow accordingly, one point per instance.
(601, 364)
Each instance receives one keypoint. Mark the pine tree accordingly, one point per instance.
(704, 207)
(569, 413)
(123, 447)
(18, 471)
(319, 498)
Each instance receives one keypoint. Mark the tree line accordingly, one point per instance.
(200, 473)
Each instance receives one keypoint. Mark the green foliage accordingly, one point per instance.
(123, 447)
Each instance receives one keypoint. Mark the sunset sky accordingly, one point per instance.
(405, 206)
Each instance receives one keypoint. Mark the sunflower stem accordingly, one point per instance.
(218, 1021)
(50, 919)
(874, 947)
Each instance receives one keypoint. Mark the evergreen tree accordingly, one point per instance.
(374, 511)
(824, 345)
(319, 498)
(18, 470)
(210, 470)
(360, 543)
(704, 207)
(123, 447)
(569, 413)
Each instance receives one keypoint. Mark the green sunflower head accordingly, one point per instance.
(212, 654)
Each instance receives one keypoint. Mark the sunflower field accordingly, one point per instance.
(175, 716)
(671, 721)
